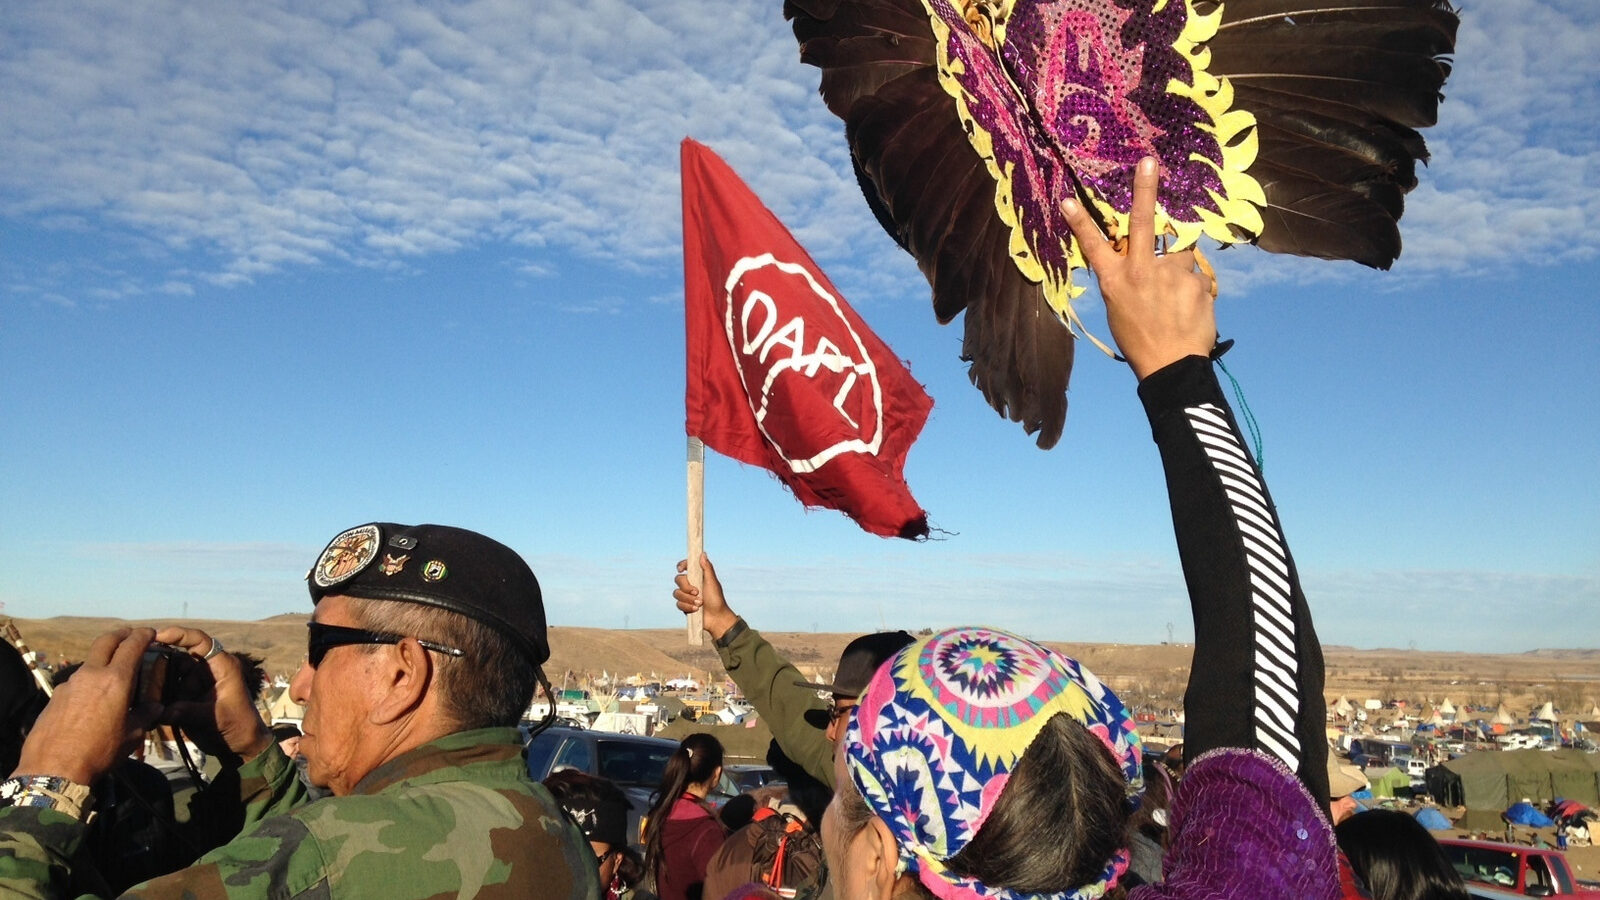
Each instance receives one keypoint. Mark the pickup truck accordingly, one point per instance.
(1514, 869)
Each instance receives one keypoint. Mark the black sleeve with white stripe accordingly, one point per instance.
(1256, 678)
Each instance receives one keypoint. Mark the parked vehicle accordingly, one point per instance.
(632, 762)
(1514, 869)
(748, 777)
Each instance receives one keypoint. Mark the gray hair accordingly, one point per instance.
(490, 684)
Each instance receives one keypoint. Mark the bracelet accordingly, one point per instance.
(49, 792)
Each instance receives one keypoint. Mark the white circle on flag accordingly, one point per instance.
(851, 361)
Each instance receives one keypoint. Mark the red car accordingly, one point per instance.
(1513, 868)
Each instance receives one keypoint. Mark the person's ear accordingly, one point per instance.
(405, 674)
(880, 855)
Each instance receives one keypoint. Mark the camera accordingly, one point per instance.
(169, 674)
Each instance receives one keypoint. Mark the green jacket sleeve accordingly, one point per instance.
(38, 845)
(769, 683)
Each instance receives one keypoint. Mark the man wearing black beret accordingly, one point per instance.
(423, 651)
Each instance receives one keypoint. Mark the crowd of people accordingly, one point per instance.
(968, 763)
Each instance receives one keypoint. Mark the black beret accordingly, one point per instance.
(437, 565)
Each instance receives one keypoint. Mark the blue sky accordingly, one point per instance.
(273, 269)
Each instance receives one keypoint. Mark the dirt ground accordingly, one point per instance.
(1151, 675)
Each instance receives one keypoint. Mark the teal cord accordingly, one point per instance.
(1249, 417)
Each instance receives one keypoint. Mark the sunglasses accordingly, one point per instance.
(322, 638)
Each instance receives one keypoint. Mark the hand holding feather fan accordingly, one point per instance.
(1285, 123)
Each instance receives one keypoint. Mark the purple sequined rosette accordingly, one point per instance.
(1079, 86)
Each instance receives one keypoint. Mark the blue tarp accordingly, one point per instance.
(1525, 814)
(1433, 820)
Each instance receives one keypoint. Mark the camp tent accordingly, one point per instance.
(282, 708)
(1389, 782)
(1546, 713)
(1431, 818)
(1491, 780)
(1502, 717)
(1520, 813)
(1447, 708)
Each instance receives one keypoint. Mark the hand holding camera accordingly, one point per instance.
(131, 680)
(90, 722)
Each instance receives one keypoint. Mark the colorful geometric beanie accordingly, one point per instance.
(942, 724)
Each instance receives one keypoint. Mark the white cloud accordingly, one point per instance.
(268, 136)
(253, 138)
(1514, 155)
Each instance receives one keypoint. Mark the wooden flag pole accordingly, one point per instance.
(697, 531)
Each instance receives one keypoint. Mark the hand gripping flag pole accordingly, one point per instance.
(782, 373)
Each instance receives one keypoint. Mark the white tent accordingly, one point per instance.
(1501, 717)
(1547, 712)
(1447, 708)
(282, 708)
(1343, 707)
(1374, 704)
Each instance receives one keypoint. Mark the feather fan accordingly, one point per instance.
(1290, 124)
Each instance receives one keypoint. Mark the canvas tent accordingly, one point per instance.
(1389, 782)
(1432, 819)
(1489, 781)
(282, 708)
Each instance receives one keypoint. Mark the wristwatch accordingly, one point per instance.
(48, 792)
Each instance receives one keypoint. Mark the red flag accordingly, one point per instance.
(782, 373)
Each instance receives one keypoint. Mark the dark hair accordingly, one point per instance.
(696, 761)
(630, 868)
(1062, 814)
(489, 685)
(21, 701)
(253, 671)
(1157, 797)
(738, 812)
(1060, 818)
(1397, 858)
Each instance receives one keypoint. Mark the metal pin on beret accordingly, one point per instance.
(437, 565)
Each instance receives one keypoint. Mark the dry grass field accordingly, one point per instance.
(1150, 675)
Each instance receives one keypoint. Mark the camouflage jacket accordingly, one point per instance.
(458, 817)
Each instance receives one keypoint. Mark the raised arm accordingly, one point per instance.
(769, 681)
(1256, 678)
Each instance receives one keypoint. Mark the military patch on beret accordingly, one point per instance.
(345, 556)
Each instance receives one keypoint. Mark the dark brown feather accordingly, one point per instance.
(1307, 216)
(877, 59)
(1333, 123)
(1338, 88)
